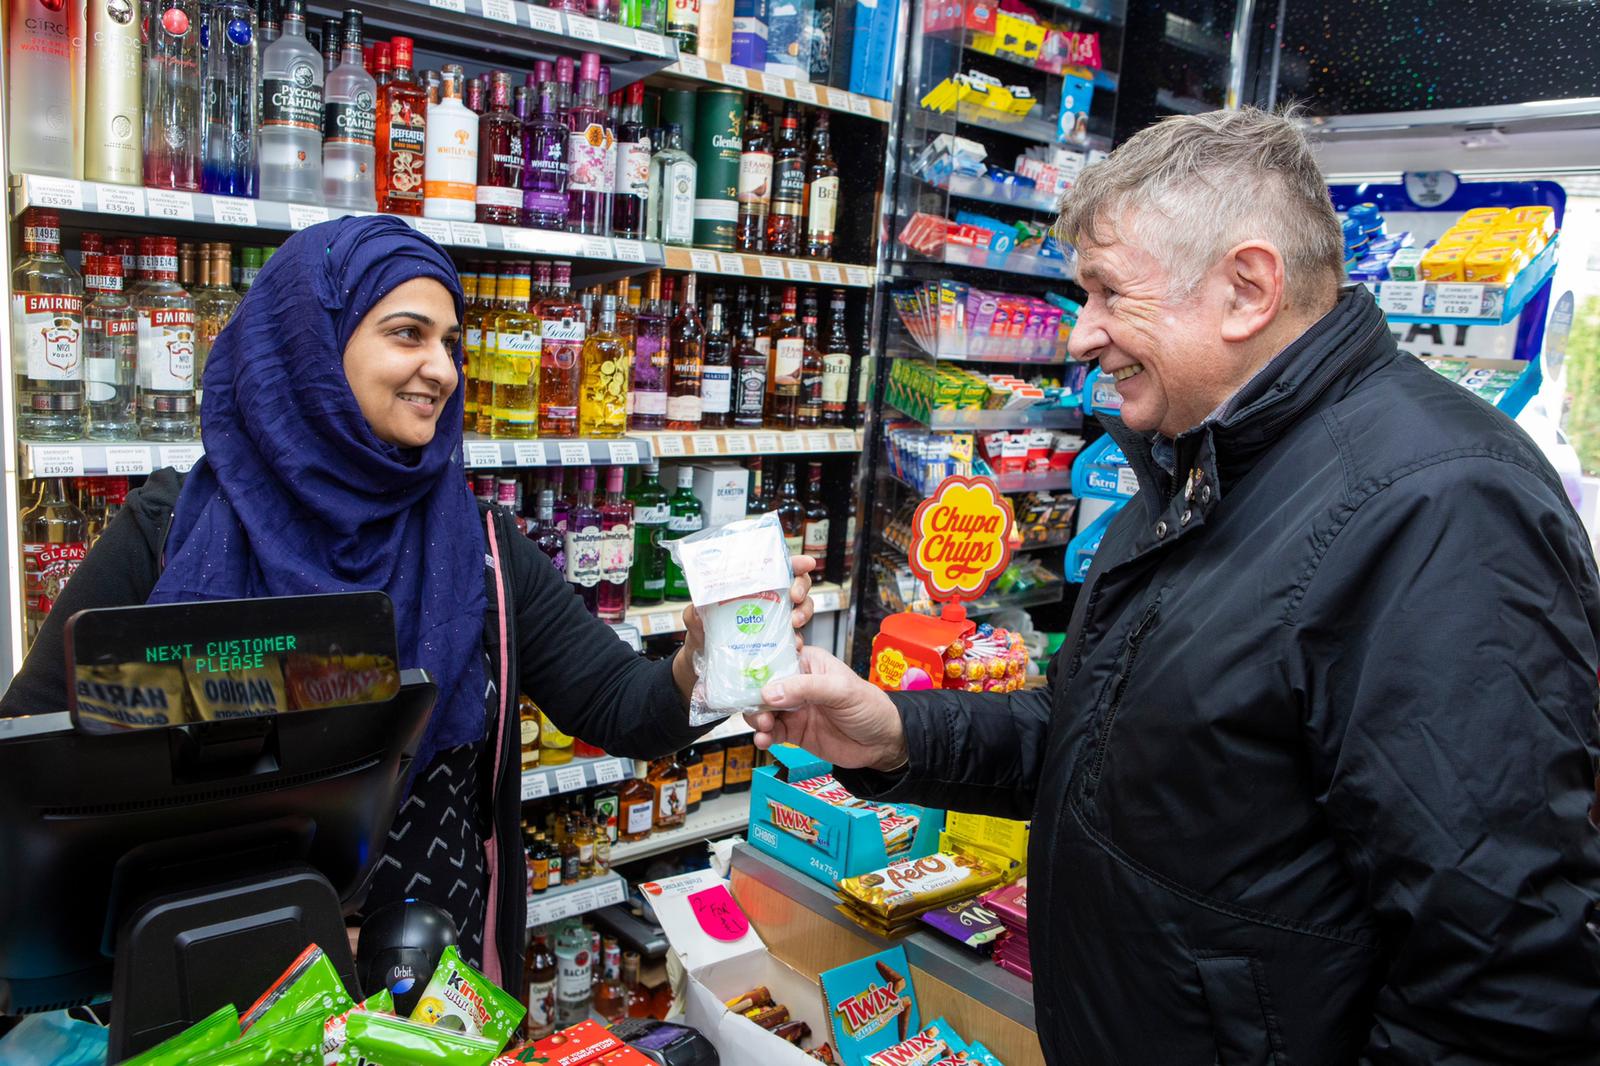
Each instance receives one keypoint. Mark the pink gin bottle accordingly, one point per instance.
(588, 155)
(616, 547)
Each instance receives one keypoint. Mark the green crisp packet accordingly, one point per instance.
(310, 985)
(461, 999)
(293, 1041)
(210, 1032)
(334, 1030)
(384, 1040)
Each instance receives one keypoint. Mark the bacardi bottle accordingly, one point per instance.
(616, 547)
(687, 362)
(55, 540)
(230, 81)
(167, 408)
(350, 127)
(786, 220)
(500, 162)
(584, 544)
(113, 124)
(291, 114)
(755, 180)
(648, 575)
(573, 977)
(563, 331)
(673, 175)
(172, 103)
(451, 170)
(544, 175)
(822, 191)
(47, 333)
(603, 400)
(402, 135)
(41, 99)
(647, 400)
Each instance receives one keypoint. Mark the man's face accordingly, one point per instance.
(1168, 357)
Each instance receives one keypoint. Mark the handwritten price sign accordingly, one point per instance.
(961, 538)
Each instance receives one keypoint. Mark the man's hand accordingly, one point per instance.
(832, 713)
(694, 637)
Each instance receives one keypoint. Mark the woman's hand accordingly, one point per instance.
(694, 638)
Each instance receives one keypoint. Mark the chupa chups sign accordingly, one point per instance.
(961, 538)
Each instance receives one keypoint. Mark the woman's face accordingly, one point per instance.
(401, 362)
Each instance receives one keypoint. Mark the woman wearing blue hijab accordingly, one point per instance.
(332, 431)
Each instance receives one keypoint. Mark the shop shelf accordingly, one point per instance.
(731, 442)
(1018, 418)
(166, 207)
(478, 452)
(1104, 80)
(1025, 263)
(955, 345)
(1464, 304)
(766, 267)
(580, 898)
(989, 192)
(723, 816)
(575, 776)
(1184, 105)
(1032, 127)
(1114, 12)
(1192, 37)
(1039, 596)
(663, 619)
(702, 71)
(1048, 481)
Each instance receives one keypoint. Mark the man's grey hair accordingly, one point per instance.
(1192, 186)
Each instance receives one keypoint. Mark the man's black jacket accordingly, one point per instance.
(1310, 782)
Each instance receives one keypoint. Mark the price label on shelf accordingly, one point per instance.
(659, 622)
(837, 100)
(805, 92)
(528, 453)
(1458, 301)
(573, 453)
(628, 251)
(670, 444)
(181, 457)
(730, 264)
(793, 442)
(481, 453)
(829, 274)
(856, 276)
(737, 443)
(734, 74)
(817, 442)
(127, 460)
(582, 29)
(766, 443)
(692, 67)
(544, 20)
(771, 268)
(608, 771)
(500, 11)
(596, 248)
(860, 105)
(62, 194)
(703, 261)
(57, 461)
(703, 444)
(624, 452)
(825, 599)
(303, 215)
(773, 85)
(517, 239)
(570, 779)
(164, 203)
(433, 229)
(1401, 297)
(119, 199)
(649, 43)
(799, 270)
(458, 6)
(1127, 481)
(535, 786)
(469, 234)
(844, 440)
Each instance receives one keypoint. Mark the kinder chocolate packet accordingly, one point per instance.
(130, 695)
(373, 1039)
(460, 999)
(337, 1025)
(310, 985)
(291, 1041)
(216, 1029)
(242, 693)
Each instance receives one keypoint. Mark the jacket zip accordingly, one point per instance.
(1135, 639)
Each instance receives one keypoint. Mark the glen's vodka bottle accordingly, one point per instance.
(112, 123)
(350, 127)
(39, 95)
(291, 114)
(229, 167)
(172, 96)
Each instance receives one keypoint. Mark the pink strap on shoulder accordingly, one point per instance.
(491, 952)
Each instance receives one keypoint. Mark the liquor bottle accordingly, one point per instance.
(636, 810)
(755, 179)
(786, 220)
(791, 513)
(687, 362)
(671, 787)
(716, 381)
(683, 24)
(566, 81)
(749, 372)
(627, 321)
(603, 394)
(214, 305)
(450, 170)
(684, 516)
(42, 49)
(836, 364)
(555, 747)
(250, 265)
(230, 80)
(514, 370)
(172, 111)
(350, 126)
(544, 175)
(55, 535)
(640, 1002)
(605, 808)
(507, 498)
(711, 768)
(630, 199)
(611, 997)
(110, 350)
(546, 535)
(472, 357)
(563, 331)
(588, 195)
(673, 174)
(756, 504)
(332, 38)
(808, 415)
(291, 114)
(472, 94)
(583, 845)
(814, 534)
(382, 64)
(402, 135)
(269, 23)
(740, 764)
(167, 409)
(787, 355)
(648, 575)
(647, 400)
(616, 547)
(822, 191)
(540, 974)
(528, 725)
(47, 333)
(499, 196)
(573, 979)
(693, 764)
(583, 544)
(113, 123)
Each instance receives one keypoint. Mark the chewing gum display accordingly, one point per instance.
(311, 985)
(909, 888)
(739, 576)
(245, 693)
(339, 680)
(384, 1040)
(216, 1029)
(462, 1000)
(131, 695)
(290, 1041)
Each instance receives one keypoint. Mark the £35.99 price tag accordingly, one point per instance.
(231, 211)
(63, 194)
(119, 199)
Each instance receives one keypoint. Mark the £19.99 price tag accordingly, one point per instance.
(56, 461)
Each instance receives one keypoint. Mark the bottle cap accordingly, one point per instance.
(351, 34)
(500, 91)
(564, 69)
(614, 478)
(590, 68)
(635, 93)
(543, 71)
(586, 479)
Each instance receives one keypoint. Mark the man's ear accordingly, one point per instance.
(1254, 274)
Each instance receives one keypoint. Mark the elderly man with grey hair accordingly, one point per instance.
(1311, 780)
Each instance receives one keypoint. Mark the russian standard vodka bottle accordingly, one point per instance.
(172, 111)
(113, 126)
(229, 164)
(291, 114)
(39, 96)
(350, 127)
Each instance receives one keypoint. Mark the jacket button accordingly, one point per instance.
(1187, 514)
(1161, 529)
(1205, 493)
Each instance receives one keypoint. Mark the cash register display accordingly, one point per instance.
(143, 667)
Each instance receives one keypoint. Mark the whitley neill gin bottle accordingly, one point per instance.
(291, 114)
(47, 333)
(112, 150)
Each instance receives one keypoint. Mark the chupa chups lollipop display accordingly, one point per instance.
(991, 660)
